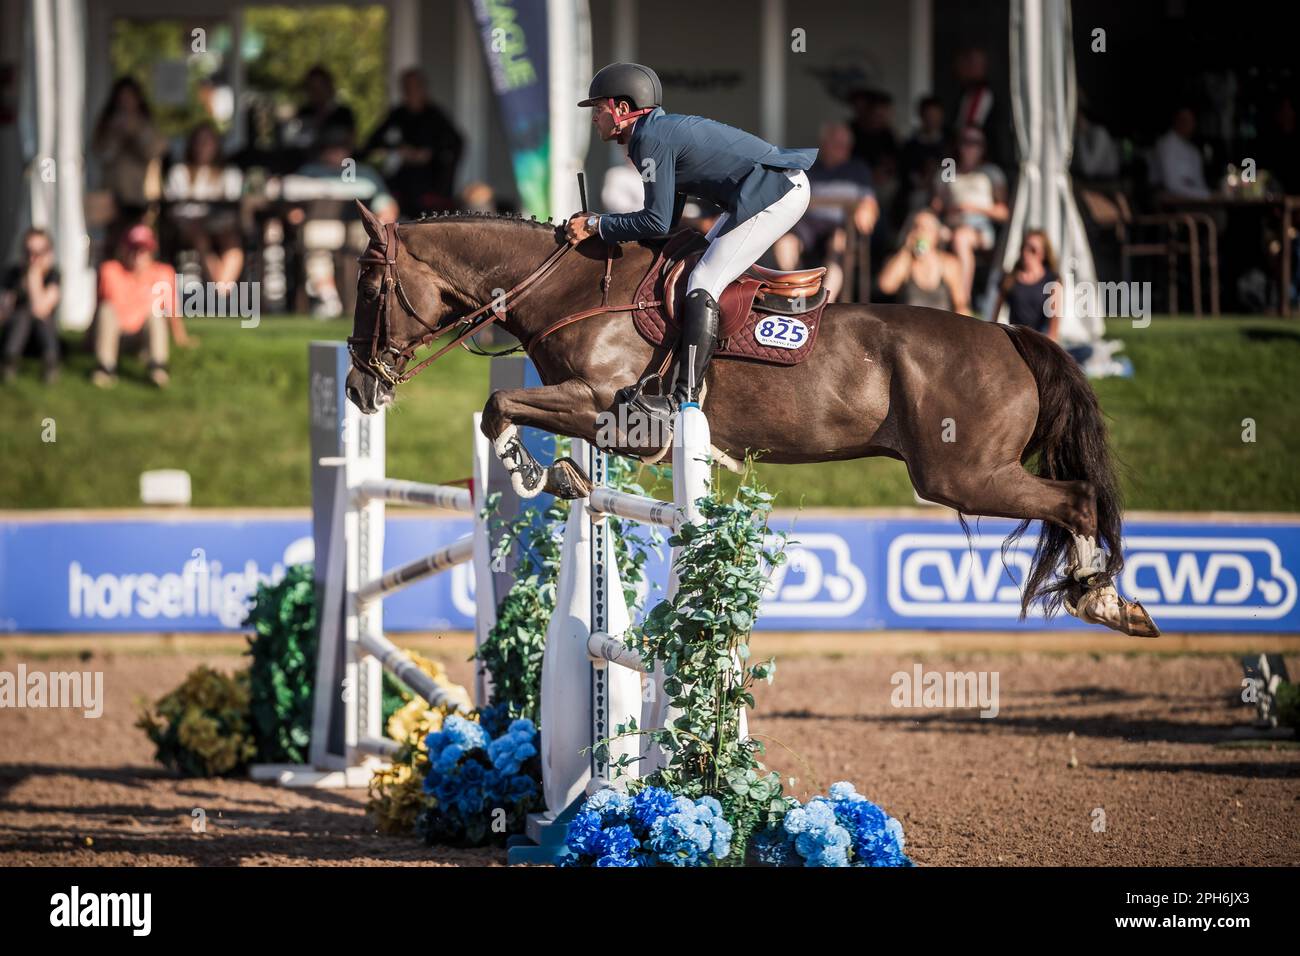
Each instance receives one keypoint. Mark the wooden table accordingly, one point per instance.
(1285, 205)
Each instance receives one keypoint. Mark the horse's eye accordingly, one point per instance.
(370, 292)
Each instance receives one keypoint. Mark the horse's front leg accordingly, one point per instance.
(565, 409)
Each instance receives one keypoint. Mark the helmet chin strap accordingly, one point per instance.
(622, 124)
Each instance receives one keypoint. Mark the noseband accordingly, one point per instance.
(381, 344)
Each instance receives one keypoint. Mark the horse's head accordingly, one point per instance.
(399, 308)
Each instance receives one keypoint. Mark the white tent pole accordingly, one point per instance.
(72, 244)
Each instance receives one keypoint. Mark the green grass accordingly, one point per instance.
(235, 418)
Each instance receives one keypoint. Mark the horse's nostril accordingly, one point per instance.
(354, 396)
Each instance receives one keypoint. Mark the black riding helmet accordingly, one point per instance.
(626, 81)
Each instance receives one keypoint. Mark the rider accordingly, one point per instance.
(762, 188)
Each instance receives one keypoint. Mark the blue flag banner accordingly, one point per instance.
(851, 573)
(516, 48)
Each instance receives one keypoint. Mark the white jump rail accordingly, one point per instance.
(350, 492)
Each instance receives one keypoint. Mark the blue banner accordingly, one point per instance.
(850, 573)
(516, 48)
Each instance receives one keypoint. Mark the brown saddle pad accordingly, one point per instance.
(743, 331)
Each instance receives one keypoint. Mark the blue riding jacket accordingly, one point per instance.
(690, 155)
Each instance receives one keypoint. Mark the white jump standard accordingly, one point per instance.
(585, 660)
(349, 495)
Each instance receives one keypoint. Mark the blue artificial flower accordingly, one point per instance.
(612, 805)
(584, 833)
(616, 846)
(671, 842)
(649, 805)
(710, 804)
(845, 791)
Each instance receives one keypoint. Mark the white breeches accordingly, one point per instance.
(730, 255)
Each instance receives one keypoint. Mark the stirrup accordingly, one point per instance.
(660, 408)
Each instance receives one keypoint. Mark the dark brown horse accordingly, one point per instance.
(965, 404)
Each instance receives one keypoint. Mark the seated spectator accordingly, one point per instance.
(922, 154)
(203, 178)
(819, 236)
(876, 144)
(920, 272)
(136, 297)
(130, 150)
(304, 135)
(422, 149)
(1096, 157)
(972, 204)
(1028, 291)
(335, 176)
(1280, 147)
(28, 297)
(1176, 164)
(872, 128)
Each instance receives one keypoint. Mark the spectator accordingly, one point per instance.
(920, 272)
(1280, 146)
(304, 135)
(972, 203)
(1177, 168)
(203, 178)
(28, 298)
(922, 154)
(423, 149)
(136, 295)
(819, 236)
(874, 141)
(1096, 156)
(335, 179)
(977, 106)
(1032, 290)
(130, 152)
(478, 197)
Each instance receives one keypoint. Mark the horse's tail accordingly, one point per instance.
(1070, 441)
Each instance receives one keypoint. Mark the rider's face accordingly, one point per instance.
(604, 119)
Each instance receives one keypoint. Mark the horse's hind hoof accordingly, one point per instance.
(566, 480)
(1105, 606)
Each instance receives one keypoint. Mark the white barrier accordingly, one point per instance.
(349, 495)
(586, 661)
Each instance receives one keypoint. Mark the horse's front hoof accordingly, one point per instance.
(1106, 607)
(566, 480)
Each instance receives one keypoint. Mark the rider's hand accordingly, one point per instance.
(576, 228)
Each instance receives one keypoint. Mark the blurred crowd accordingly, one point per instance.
(280, 212)
(918, 218)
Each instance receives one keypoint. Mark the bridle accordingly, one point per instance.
(381, 344)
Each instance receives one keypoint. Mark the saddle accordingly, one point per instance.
(764, 316)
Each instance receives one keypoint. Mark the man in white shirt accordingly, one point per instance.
(1177, 167)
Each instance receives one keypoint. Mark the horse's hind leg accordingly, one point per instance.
(565, 409)
(1007, 491)
(1011, 492)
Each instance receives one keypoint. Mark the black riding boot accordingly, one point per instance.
(699, 330)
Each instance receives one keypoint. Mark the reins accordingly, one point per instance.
(473, 323)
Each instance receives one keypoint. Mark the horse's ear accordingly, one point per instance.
(374, 228)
